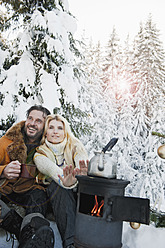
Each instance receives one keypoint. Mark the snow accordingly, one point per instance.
(65, 78)
(144, 237)
(60, 23)
(49, 91)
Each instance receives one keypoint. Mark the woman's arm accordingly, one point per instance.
(47, 167)
(50, 169)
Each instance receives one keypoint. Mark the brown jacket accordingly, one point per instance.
(12, 147)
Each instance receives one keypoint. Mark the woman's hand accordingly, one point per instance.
(83, 167)
(69, 176)
(69, 173)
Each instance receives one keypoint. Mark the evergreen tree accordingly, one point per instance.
(93, 96)
(112, 63)
(8, 119)
(113, 80)
(149, 72)
(39, 67)
(150, 69)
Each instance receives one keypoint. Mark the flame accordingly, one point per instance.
(94, 210)
(97, 207)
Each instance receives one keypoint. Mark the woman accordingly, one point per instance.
(59, 158)
(59, 149)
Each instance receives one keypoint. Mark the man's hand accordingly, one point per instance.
(12, 170)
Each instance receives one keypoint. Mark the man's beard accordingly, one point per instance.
(34, 137)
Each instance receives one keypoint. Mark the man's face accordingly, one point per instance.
(34, 125)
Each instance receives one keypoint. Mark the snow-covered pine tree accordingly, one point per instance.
(149, 72)
(8, 119)
(93, 95)
(39, 68)
(127, 88)
(115, 86)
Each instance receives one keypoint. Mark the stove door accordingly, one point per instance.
(130, 209)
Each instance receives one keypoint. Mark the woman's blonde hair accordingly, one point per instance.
(67, 130)
(72, 141)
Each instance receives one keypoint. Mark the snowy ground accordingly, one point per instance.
(144, 237)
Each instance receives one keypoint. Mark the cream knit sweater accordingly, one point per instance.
(50, 161)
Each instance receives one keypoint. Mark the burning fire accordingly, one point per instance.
(97, 207)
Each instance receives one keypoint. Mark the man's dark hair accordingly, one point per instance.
(44, 110)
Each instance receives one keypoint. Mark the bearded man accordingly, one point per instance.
(17, 147)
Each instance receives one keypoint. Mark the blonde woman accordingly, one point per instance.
(59, 158)
(60, 153)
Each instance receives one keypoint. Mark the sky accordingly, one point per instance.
(98, 18)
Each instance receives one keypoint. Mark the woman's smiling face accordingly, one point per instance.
(55, 133)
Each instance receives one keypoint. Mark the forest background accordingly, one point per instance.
(104, 92)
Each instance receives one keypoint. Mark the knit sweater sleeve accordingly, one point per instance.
(50, 169)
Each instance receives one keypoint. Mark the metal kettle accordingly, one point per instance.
(103, 164)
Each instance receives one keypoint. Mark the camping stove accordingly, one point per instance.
(101, 210)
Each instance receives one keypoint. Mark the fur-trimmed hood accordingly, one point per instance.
(17, 149)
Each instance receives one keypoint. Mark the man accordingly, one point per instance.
(17, 147)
